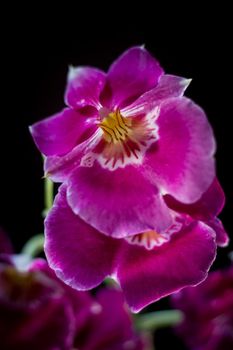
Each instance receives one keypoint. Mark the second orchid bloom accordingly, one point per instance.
(139, 197)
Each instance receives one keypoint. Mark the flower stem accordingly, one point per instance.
(34, 246)
(48, 194)
(158, 319)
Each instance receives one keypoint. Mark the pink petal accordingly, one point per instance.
(146, 276)
(168, 86)
(182, 159)
(118, 203)
(59, 168)
(222, 238)
(131, 75)
(84, 87)
(58, 134)
(207, 207)
(80, 256)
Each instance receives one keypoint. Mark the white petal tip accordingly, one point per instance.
(186, 82)
(71, 73)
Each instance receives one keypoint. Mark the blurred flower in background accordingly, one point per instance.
(35, 313)
(208, 312)
(39, 312)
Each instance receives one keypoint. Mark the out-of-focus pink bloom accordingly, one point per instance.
(148, 265)
(127, 138)
(208, 312)
(103, 321)
(38, 311)
(35, 313)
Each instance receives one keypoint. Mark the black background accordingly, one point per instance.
(38, 44)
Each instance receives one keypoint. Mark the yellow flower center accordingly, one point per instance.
(115, 127)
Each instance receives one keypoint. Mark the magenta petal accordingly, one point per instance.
(207, 207)
(222, 238)
(168, 86)
(118, 203)
(183, 159)
(132, 74)
(84, 87)
(58, 168)
(80, 256)
(171, 86)
(58, 134)
(146, 276)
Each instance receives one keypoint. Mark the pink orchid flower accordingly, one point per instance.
(127, 138)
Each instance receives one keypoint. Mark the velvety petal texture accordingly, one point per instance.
(129, 201)
(182, 160)
(208, 312)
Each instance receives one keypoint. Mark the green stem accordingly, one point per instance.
(48, 196)
(48, 193)
(158, 319)
(34, 246)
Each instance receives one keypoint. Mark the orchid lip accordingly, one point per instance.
(148, 240)
(152, 239)
(115, 127)
(124, 140)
